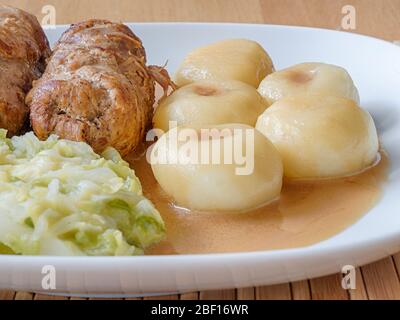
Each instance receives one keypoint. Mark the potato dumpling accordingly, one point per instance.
(235, 59)
(210, 185)
(210, 102)
(319, 78)
(320, 136)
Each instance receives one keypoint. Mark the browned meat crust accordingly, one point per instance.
(23, 51)
(96, 88)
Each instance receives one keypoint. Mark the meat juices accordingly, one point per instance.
(23, 51)
(96, 88)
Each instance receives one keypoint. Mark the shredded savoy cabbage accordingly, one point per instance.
(58, 197)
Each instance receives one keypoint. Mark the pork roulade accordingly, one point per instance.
(96, 88)
(23, 52)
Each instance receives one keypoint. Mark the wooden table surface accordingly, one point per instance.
(379, 280)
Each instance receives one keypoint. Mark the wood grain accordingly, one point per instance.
(218, 295)
(328, 288)
(379, 280)
(7, 295)
(274, 292)
(39, 296)
(189, 296)
(69, 11)
(246, 294)
(22, 295)
(377, 18)
(301, 290)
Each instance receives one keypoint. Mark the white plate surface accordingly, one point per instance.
(375, 67)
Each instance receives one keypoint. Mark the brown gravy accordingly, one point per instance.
(306, 213)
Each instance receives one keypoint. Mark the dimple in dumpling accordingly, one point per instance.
(218, 185)
(313, 77)
(233, 59)
(210, 102)
(320, 136)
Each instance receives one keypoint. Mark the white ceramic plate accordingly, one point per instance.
(375, 67)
